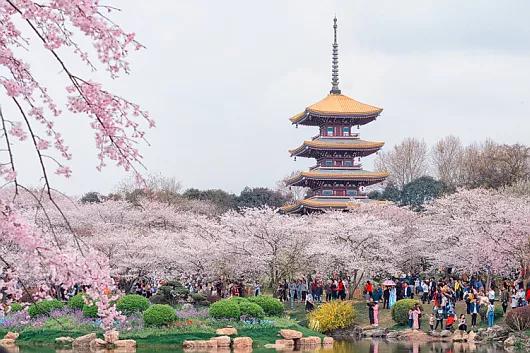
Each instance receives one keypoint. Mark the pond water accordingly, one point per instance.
(363, 346)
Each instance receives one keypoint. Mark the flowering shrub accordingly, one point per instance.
(134, 322)
(61, 319)
(44, 307)
(132, 303)
(332, 315)
(159, 315)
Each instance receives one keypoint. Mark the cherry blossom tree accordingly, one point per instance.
(118, 126)
(480, 230)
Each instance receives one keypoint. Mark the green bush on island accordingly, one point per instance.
(226, 309)
(44, 307)
(90, 311)
(271, 306)
(251, 310)
(159, 315)
(400, 310)
(16, 307)
(76, 302)
(132, 303)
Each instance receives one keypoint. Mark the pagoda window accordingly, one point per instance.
(329, 131)
(328, 163)
(345, 131)
(338, 163)
(352, 192)
(327, 192)
(348, 163)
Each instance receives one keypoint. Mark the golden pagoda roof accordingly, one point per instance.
(338, 174)
(340, 105)
(340, 144)
(320, 203)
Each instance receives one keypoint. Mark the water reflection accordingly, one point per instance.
(363, 346)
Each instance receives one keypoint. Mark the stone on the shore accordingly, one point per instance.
(327, 341)
(471, 336)
(111, 336)
(11, 335)
(125, 343)
(84, 341)
(64, 341)
(7, 342)
(97, 343)
(310, 341)
(291, 334)
(222, 341)
(284, 342)
(242, 342)
(193, 344)
(374, 333)
(510, 341)
(458, 336)
(226, 331)
(392, 334)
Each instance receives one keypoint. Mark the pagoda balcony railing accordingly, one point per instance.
(355, 167)
(354, 135)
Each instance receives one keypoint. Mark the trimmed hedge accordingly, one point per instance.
(226, 309)
(400, 310)
(159, 315)
(44, 307)
(76, 302)
(271, 306)
(16, 307)
(251, 310)
(90, 311)
(518, 319)
(332, 315)
(132, 303)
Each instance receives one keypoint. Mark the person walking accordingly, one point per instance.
(490, 313)
(432, 320)
(505, 298)
(341, 290)
(368, 289)
(370, 303)
(439, 318)
(416, 317)
(474, 309)
(376, 314)
(292, 293)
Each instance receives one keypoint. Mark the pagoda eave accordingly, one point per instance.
(322, 204)
(309, 179)
(317, 149)
(317, 119)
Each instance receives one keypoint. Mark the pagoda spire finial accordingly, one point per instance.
(335, 61)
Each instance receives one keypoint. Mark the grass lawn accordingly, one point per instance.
(385, 315)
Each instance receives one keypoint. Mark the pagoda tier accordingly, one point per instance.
(337, 109)
(344, 147)
(319, 176)
(318, 203)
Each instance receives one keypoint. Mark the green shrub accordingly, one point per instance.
(225, 309)
(172, 292)
(90, 311)
(132, 303)
(271, 306)
(518, 319)
(400, 310)
(497, 313)
(198, 298)
(76, 302)
(16, 307)
(44, 307)
(332, 315)
(251, 310)
(159, 315)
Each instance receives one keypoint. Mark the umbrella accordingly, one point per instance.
(389, 282)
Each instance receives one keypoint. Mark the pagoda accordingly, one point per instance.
(337, 181)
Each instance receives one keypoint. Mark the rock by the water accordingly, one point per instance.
(310, 341)
(445, 333)
(111, 336)
(7, 342)
(392, 334)
(284, 342)
(84, 341)
(226, 331)
(64, 341)
(125, 343)
(222, 341)
(291, 334)
(471, 336)
(11, 335)
(374, 333)
(327, 341)
(242, 342)
(510, 341)
(97, 343)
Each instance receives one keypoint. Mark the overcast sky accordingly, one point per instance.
(222, 78)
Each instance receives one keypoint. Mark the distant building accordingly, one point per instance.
(337, 180)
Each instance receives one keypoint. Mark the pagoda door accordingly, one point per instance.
(340, 192)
